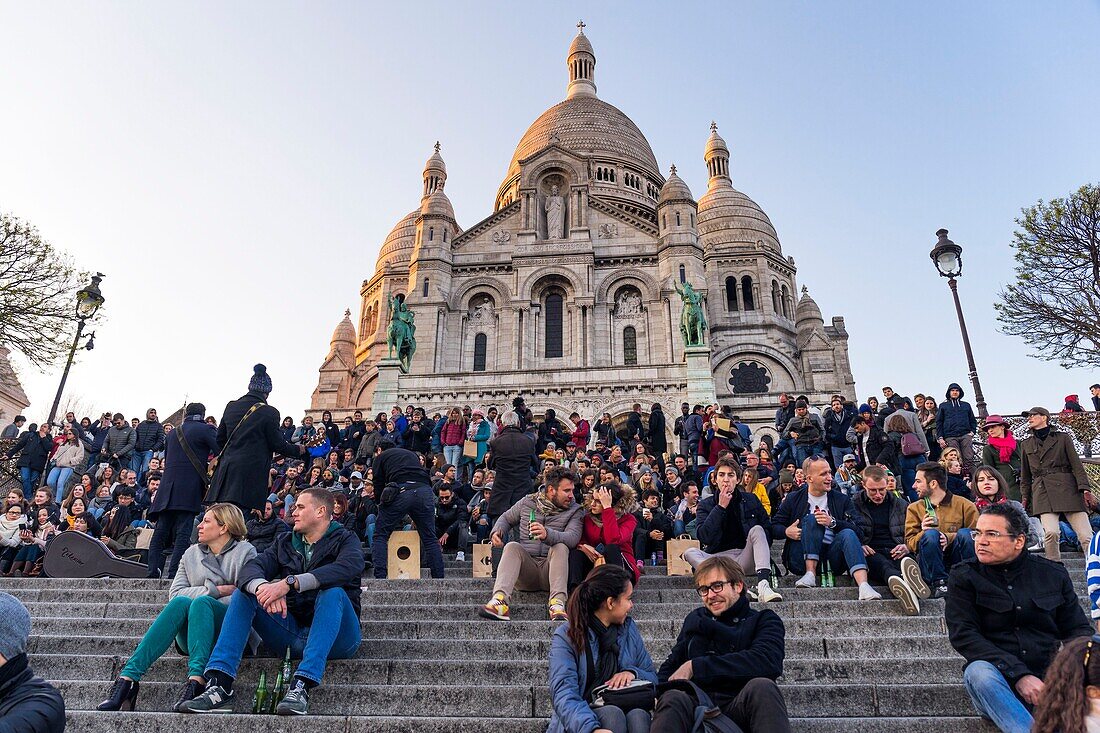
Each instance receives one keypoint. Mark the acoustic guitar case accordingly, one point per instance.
(76, 555)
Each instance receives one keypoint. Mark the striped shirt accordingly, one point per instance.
(1092, 575)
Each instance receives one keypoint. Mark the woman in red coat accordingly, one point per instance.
(608, 533)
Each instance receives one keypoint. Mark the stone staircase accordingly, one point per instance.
(428, 663)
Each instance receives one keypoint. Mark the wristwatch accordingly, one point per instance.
(292, 581)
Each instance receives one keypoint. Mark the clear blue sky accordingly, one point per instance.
(234, 167)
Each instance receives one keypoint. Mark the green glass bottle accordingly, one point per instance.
(827, 576)
(530, 521)
(259, 700)
(282, 682)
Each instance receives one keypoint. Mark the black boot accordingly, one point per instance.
(191, 689)
(123, 696)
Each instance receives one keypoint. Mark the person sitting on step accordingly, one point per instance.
(820, 525)
(550, 525)
(938, 526)
(607, 535)
(654, 528)
(1008, 611)
(600, 645)
(302, 594)
(197, 601)
(729, 651)
(735, 524)
(883, 529)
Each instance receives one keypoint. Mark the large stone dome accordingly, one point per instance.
(588, 126)
(729, 217)
(398, 247)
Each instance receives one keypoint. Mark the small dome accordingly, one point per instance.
(674, 189)
(438, 205)
(581, 44)
(715, 143)
(728, 217)
(435, 163)
(397, 249)
(807, 310)
(345, 330)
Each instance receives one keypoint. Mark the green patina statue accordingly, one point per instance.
(693, 319)
(401, 334)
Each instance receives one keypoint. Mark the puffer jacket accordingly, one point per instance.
(955, 418)
(69, 455)
(150, 436)
(453, 433)
(120, 441)
(564, 527)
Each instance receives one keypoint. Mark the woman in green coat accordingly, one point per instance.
(1003, 453)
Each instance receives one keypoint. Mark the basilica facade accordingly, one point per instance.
(567, 292)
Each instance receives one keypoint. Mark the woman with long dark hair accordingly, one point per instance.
(1071, 690)
(607, 534)
(599, 645)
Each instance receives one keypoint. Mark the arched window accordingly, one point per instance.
(424, 290)
(664, 221)
(480, 342)
(731, 294)
(444, 234)
(786, 298)
(746, 293)
(776, 308)
(683, 274)
(630, 345)
(431, 233)
(677, 218)
(553, 318)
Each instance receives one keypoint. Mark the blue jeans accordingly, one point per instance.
(838, 456)
(801, 453)
(993, 698)
(908, 473)
(452, 454)
(30, 480)
(935, 562)
(334, 633)
(57, 479)
(844, 551)
(1070, 537)
(139, 462)
(419, 503)
(368, 531)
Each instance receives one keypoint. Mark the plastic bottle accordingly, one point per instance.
(653, 559)
(259, 700)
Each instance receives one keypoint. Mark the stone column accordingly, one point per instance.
(386, 386)
(700, 379)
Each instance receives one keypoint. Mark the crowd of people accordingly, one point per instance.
(272, 542)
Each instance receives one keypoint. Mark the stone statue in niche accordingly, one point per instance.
(555, 214)
(628, 303)
(481, 309)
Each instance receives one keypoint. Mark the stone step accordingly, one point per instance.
(492, 701)
(171, 668)
(142, 722)
(845, 648)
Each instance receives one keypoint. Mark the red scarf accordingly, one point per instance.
(1004, 446)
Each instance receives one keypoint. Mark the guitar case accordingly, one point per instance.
(77, 555)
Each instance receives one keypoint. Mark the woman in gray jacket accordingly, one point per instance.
(198, 599)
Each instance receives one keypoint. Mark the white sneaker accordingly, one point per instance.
(809, 580)
(867, 593)
(765, 593)
(460, 557)
(901, 590)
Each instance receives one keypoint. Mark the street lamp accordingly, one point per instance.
(948, 258)
(88, 301)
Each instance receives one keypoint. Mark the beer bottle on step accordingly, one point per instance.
(259, 700)
(286, 676)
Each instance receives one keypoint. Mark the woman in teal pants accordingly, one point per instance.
(198, 598)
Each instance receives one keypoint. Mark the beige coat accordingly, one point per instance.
(1052, 476)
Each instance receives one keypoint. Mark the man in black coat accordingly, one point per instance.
(402, 469)
(654, 527)
(452, 520)
(1008, 612)
(179, 499)
(552, 430)
(658, 440)
(27, 703)
(731, 652)
(247, 437)
(635, 427)
(264, 530)
(302, 593)
(34, 448)
(512, 457)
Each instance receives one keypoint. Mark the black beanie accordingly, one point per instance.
(195, 408)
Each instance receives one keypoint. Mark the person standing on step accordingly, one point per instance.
(938, 527)
(179, 499)
(728, 651)
(406, 490)
(513, 458)
(301, 594)
(1008, 611)
(883, 524)
(197, 602)
(600, 645)
(956, 425)
(247, 436)
(1053, 482)
(821, 525)
(28, 704)
(734, 523)
(550, 525)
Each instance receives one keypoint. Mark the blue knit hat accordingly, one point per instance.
(866, 408)
(260, 382)
(15, 626)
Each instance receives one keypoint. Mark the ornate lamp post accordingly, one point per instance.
(88, 301)
(948, 258)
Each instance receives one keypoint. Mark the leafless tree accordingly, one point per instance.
(38, 285)
(1054, 303)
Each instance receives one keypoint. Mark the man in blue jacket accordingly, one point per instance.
(955, 425)
(302, 593)
(729, 651)
(821, 525)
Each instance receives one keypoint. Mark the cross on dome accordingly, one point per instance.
(347, 313)
(581, 25)
(713, 126)
(437, 146)
(672, 169)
